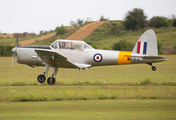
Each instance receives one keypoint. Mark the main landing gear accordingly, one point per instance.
(41, 79)
(51, 80)
(153, 67)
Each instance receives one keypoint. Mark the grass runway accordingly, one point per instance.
(109, 92)
(133, 109)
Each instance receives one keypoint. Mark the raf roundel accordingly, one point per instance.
(97, 57)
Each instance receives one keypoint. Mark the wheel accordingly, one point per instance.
(153, 68)
(51, 80)
(41, 78)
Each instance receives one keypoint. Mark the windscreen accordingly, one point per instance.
(76, 46)
(54, 45)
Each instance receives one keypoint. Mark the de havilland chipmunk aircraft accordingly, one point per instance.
(80, 55)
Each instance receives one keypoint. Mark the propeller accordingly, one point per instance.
(14, 50)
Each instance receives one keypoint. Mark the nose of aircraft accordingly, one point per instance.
(14, 50)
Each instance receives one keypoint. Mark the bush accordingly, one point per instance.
(123, 45)
(174, 23)
(6, 50)
(159, 22)
(159, 44)
(116, 28)
(135, 19)
(61, 30)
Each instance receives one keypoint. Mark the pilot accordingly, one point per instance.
(63, 45)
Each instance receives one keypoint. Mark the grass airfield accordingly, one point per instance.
(109, 92)
(91, 109)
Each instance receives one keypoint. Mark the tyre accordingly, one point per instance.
(41, 78)
(153, 68)
(51, 80)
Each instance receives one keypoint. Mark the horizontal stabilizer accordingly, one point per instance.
(152, 59)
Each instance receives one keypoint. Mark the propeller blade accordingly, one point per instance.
(16, 44)
(13, 59)
(15, 50)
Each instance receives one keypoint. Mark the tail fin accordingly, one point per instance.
(147, 44)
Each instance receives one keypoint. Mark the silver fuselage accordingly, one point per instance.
(27, 55)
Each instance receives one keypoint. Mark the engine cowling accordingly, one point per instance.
(26, 55)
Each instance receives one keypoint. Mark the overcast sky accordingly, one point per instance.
(36, 15)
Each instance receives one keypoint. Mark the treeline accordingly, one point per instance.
(6, 50)
(136, 19)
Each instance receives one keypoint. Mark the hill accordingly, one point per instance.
(84, 31)
(112, 32)
(102, 35)
(79, 34)
(27, 42)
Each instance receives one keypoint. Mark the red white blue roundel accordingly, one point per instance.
(97, 57)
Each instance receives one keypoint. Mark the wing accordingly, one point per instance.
(57, 60)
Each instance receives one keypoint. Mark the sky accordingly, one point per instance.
(18, 16)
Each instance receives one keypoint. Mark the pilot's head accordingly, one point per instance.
(63, 45)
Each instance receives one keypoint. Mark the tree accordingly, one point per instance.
(174, 20)
(61, 30)
(157, 22)
(79, 21)
(135, 19)
(102, 18)
(72, 23)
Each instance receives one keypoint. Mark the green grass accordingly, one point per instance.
(90, 110)
(62, 93)
(131, 92)
(109, 82)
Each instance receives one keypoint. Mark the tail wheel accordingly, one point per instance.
(153, 68)
(51, 80)
(41, 78)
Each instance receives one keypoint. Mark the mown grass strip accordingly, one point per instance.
(128, 109)
(144, 83)
(55, 93)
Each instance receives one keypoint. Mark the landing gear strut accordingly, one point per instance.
(153, 67)
(51, 80)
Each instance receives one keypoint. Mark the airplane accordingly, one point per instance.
(79, 55)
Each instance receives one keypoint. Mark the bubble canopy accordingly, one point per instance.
(70, 45)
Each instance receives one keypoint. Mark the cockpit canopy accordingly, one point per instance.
(70, 45)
